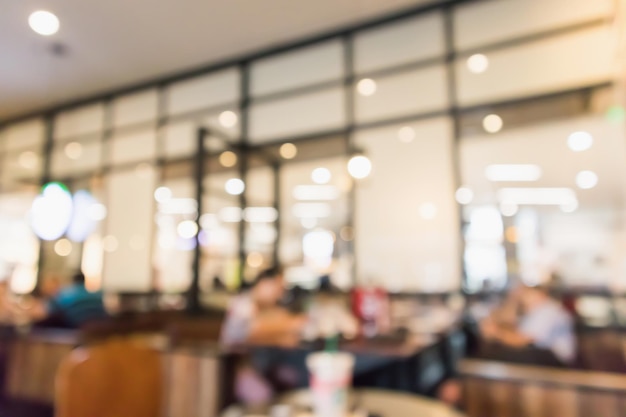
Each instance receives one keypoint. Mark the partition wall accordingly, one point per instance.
(435, 97)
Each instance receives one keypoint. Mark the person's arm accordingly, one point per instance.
(278, 327)
(507, 336)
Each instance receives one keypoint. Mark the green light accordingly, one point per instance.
(615, 114)
(53, 185)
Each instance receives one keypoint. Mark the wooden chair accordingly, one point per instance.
(111, 379)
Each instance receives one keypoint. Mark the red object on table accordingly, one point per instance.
(371, 306)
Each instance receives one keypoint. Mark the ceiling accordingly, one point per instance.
(111, 44)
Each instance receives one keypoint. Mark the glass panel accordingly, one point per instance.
(127, 266)
(76, 157)
(514, 18)
(305, 114)
(314, 215)
(550, 65)
(202, 92)
(404, 94)
(407, 221)
(81, 121)
(22, 166)
(562, 219)
(175, 229)
(135, 108)
(133, 147)
(19, 247)
(298, 69)
(29, 134)
(399, 43)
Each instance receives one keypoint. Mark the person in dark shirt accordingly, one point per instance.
(71, 307)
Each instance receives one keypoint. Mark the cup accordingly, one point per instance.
(331, 377)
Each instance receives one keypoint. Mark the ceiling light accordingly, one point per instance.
(44, 23)
(464, 195)
(366, 87)
(187, 229)
(321, 176)
(580, 141)
(230, 215)
(51, 212)
(288, 151)
(311, 210)
(162, 194)
(63, 247)
(228, 159)
(260, 214)
(359, 167)
(492, 123)
(537, 196)
(235, 186)
(406, 134)
(508, 208)
(316, 192)
(586, 180)
(478, 63)
(428, 211)
(73, 150)
(228, 119)
(513, 172)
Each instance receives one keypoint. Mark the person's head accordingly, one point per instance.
(268, 287)
(531, 297)
(78, 278)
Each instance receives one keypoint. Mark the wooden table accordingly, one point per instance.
(384, 403)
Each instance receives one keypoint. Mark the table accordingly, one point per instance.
(384, 403)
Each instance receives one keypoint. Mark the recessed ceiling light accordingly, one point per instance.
(359, 167)
(478, 63)
(492, 123)
(44, 22)
(580, 141)
(366, 87)
(321, 175)
(228, 119)
(513, 172)
(235, 186)
(586, 180)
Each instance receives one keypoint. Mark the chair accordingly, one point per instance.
(111, 379)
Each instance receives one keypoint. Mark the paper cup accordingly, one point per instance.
(331, 377)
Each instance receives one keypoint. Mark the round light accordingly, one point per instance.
(228, 119)
(478, 63)
(508, 209)
(44, 23)
(228, 159)
(492, 123)
(428, 211)
(321, 176)
(51, 212)
(187, 229)
(288, 151)
(255, 260)
(580, 141)
(318, 244)
(570, 207)
(73, 150)
(464, 195)
(162, 194)
(366, 87)
(234, 186)
(97, 212)
(63, 247)
(359, 167)
(586, 180)
(406, 134)
(28, 160)
(347, 233)
(110, 243)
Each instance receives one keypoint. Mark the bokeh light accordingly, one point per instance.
(44, 22)
(63, 247)
(288, 151)
(508, 209)
(321, 176)
(359, 167)
(464, 195)
(162, 194)
(492, 123)
(478, 63)
(428, 211)
(580, 141)
(87, 212)
(235, 186)
(406, 134)
(228, 119)
(228, 159)
(586, 180)
(51, 212)
(73, 150)
(367, 87)
(187, 229)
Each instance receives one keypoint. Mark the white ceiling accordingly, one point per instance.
(115, 43)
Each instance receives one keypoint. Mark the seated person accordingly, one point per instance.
(255, 318)
(71, 307)
(544, 327)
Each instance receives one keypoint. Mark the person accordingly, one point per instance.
(255, 318)
(72, 306)
(544, 326)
